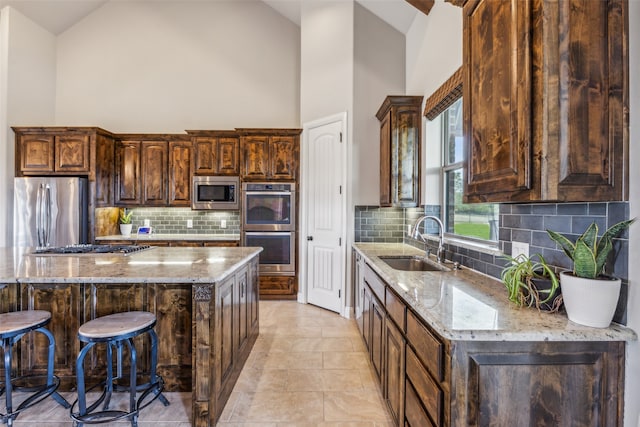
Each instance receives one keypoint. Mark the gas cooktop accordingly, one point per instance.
(92, 249)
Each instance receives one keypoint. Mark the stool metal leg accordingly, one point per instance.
(7, 344)
(82, 398)
(50, 378)
(154, 365)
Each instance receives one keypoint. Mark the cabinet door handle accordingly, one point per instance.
(309, 238)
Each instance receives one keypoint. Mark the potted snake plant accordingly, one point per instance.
(590, 295)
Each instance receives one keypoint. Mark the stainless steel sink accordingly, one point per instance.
(412, 263)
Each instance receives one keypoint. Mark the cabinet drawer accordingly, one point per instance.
(428, 348)
(375, 283)
(396, 309)
(426, 389)
(414, 413)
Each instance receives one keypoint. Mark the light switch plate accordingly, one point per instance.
(223, 223)
(518, 248)
(189, 223)
(147, 222)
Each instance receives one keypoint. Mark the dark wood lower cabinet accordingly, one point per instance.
(394, 370)
(278, 287)
(428, 380)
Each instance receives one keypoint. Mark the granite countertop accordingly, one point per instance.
(155, 265)
(181, 237)
(466, 305)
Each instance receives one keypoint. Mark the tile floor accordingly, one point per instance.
(308, 368)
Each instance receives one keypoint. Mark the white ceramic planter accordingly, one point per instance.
(590, 302)
(125, 229)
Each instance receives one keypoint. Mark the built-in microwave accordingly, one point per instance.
(215, 192)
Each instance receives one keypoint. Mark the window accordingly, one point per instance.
(475, 221)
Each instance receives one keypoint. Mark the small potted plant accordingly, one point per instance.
(532, 283)
(590, 296)
(125, 222)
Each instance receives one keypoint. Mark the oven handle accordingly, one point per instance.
(268, 233)
(268, 193)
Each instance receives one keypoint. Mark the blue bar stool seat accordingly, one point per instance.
(14, 326)
(117, 330)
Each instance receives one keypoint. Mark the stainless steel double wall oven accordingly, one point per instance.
(268, 216)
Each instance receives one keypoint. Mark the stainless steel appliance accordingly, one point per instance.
(278, 255)
(269, 206)
(50, 211)
(215, 192)
(268, 220)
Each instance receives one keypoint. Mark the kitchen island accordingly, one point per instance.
(205, 301)
(449, 349)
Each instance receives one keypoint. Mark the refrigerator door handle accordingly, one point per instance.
(39, 227)
(47, 217)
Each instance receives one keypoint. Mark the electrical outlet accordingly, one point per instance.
(223, 223)
(189, 223)
(147, 222)
(518, 248)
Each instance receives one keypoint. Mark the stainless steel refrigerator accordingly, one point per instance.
(50, 211)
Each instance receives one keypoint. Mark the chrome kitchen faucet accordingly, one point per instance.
(415, 233)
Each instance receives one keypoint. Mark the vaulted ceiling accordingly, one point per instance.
(58, 15)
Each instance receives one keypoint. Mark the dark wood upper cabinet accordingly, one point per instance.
(545, 100)
(154, 167)
(269, 154)
(128, 178)
(57, 150)
(154, 170)
(400, 129)
(216, 152)
(180, 171)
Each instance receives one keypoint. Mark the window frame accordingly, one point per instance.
(443, 98)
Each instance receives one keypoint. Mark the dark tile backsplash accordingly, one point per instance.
(174, 220)
(518, 222)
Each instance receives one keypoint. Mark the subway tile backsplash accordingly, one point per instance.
(174, 220)
(518, 222)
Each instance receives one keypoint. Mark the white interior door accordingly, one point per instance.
(324, 196)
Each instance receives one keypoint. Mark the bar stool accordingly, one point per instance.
(117, 330)
(14, 326)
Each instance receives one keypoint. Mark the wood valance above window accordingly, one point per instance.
(444, 96)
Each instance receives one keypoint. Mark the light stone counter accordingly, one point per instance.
(172, 237)
(466, 305)
(156, 265)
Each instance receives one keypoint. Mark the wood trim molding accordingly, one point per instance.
(444, 96)
(458, 3)
(423, 6)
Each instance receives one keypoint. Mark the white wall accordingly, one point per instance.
(632, 391)
(27, 95)
(140, 66)
(434, 53)
(379, 70)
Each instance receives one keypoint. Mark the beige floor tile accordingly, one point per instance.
(358, 344)
(345, 360)
(272, 343)
(368, 378)
(321, 344)
(300, 360)
(341, 331)
(297, 331)
(354, 406)
(279, 407)
(252, 379)
(323, 380)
